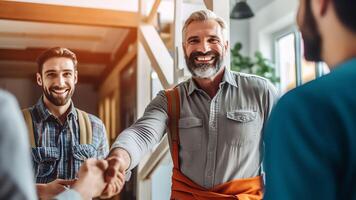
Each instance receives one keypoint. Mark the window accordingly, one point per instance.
(294, 70)
(286, 61)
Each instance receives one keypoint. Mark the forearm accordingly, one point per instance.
(40, 189)
(122, 155)
(136, 142)
(147, 131)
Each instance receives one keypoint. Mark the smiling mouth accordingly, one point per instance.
(60, 92)
(204, 59)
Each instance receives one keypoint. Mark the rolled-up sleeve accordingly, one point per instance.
(146, 131)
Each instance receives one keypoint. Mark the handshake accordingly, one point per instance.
(96, 178)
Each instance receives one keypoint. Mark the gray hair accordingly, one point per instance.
(204, 15)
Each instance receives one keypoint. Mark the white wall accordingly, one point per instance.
(276, 16)
(240, 32)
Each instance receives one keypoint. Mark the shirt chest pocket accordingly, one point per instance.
(244, 125)
(84, 151)
(190, 133)
(45, 160)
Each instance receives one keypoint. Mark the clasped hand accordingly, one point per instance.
(104, 178)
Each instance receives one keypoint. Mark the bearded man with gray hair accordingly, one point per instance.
(214, 122)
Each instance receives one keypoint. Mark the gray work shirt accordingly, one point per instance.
(220, 137)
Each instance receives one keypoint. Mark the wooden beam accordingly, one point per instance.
(153, 11)
(209, 4)
(68, 36)
(131, 38)
(67, 15)
(161, 60)
(112, 81)
(155, 158)
(31, 54)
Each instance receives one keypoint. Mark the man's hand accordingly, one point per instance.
(91, 181)
(49, 190)
(119, 161)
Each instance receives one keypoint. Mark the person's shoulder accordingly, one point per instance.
(248, 77)
(182, 85)
(6, 97)
(7, 101)
(304, 97)
(94, 119)
(319, 90)
(254, 82)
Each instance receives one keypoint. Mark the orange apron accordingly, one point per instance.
(185, 189)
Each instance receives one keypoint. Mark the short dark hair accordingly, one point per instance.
(56, 52)
(346, 11)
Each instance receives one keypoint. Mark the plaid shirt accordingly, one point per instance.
(58, 153)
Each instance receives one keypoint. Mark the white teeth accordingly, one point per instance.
(204, 58)
(59, 91)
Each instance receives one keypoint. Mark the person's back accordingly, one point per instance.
(324, 113)
(311, 135)
(16, 181)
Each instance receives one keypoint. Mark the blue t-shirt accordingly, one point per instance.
(311, 140)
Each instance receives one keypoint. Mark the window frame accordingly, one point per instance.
(292, 29)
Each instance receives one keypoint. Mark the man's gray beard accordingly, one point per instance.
(204, 71)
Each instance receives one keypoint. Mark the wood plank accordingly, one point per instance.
(157, 155)
(153, 12)
(113, 115)
(87, 38)
(111, 82)
(209, 4)
(130, 39)
(161, 60)
(107, 115)
(67, 14)
(31, 54)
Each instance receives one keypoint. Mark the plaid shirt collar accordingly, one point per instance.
(44, 113)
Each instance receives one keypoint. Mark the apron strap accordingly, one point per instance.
(173, 107)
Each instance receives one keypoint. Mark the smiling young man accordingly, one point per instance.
(62, 136)
(214, 120)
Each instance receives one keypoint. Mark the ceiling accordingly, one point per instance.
(96, 41)
(99, 33)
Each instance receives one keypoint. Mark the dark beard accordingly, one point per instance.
(57, 101)
(311, 35)
(192, 66)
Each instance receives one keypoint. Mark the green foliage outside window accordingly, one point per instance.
(257, 65)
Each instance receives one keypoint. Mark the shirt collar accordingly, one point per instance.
(227, 78)
(44, 113)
